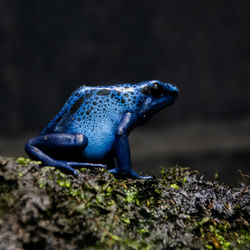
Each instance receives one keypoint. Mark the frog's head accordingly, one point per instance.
(158, 95)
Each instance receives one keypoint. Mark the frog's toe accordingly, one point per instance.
(93, 165)
(76, 173)
(114, 171)
(86, 165)
(146, 177)
(131, 174)
(99, 165)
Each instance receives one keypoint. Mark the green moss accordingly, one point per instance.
(20, 175)
(243, 236)
(132, 196)
(126, 220)
(109, 241)
(175, 186)
(27, 161)
(221, 235)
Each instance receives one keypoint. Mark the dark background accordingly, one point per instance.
(49, 48)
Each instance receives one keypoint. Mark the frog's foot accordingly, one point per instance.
(84, 165)
(63, 166)
(128, 173)
(70, 167)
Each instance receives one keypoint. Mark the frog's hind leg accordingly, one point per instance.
(39, 148)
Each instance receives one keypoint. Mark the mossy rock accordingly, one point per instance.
(43, 208)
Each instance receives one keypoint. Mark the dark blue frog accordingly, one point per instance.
(92, 128)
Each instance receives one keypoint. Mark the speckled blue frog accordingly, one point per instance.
(92, 128)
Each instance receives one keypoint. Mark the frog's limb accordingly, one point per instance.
(122, 148)
(131, 173)
(38, 147)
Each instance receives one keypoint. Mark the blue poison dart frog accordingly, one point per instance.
(92, 128)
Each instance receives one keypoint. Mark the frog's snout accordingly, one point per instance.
(174, 94)
(172, 91)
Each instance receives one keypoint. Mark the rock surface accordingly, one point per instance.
(42, 208)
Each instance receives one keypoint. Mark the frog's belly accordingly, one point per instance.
(98, 147)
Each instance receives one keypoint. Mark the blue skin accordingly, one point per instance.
(94, 124)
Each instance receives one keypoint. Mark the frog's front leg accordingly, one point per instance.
(39, 148)
(122, 149)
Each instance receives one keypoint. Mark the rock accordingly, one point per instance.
(42, 208)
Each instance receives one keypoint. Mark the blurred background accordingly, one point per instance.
(50, 48)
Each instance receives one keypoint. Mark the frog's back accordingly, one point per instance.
(96, 112)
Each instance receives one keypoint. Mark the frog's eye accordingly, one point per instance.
(156, 90)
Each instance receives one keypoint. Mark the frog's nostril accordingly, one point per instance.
(172, 91)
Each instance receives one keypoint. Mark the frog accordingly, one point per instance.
(91, 129)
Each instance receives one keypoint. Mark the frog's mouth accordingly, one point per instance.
(166, 100)
(171, 97)
(152, 106)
